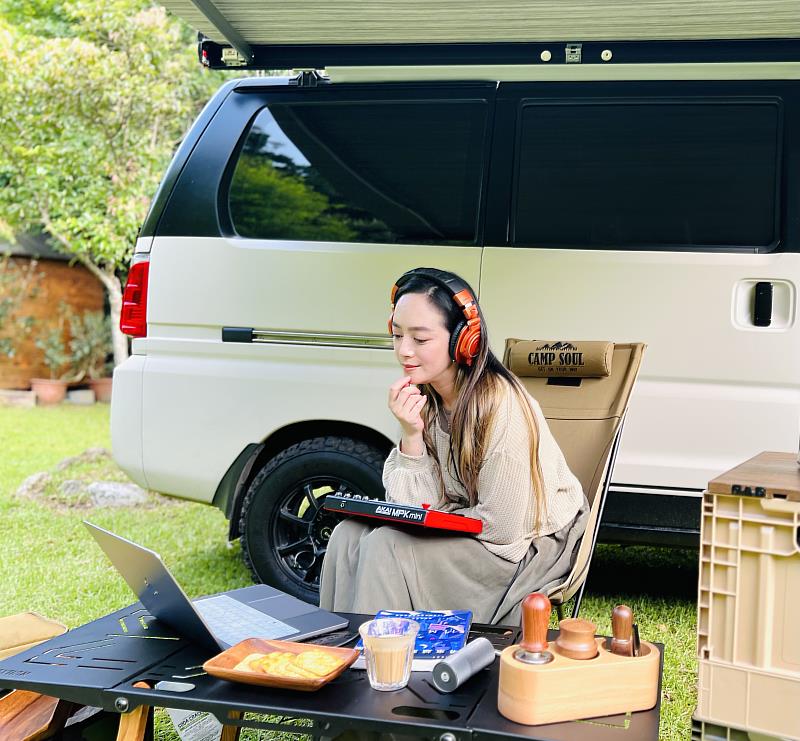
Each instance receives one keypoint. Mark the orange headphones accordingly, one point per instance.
(466, 337)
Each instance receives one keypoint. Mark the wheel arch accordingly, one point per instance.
(233, 486)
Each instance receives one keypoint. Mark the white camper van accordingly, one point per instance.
(622, 190)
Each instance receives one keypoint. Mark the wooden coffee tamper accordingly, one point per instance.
(621, 631)
(535, 618)
(576, 639)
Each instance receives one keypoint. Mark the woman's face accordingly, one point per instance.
(421, 340)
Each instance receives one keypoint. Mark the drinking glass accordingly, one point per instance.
(388, 651)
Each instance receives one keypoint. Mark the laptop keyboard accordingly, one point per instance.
(232, 621)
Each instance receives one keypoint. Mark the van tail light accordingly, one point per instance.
(133, 319)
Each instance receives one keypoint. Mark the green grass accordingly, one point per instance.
(49, 564)
(44, 542)
(660, 585)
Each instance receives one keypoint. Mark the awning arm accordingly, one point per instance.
(231, 35)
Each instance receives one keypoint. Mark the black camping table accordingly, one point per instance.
(99, 663)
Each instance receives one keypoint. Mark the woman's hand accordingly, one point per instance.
(406, 403)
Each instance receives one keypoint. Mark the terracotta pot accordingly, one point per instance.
(101, 388)
(49, 391)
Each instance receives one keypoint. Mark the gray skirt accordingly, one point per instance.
(369, 568)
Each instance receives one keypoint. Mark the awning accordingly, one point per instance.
(448, 30)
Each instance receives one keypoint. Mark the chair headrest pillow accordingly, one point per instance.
(558, 358)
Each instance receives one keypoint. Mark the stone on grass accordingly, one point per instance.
(115, 494)
(71, 487)
(67, 462)
(12, 398)
(80, 396)
(89, 455)
(34, 484)
(95, 454)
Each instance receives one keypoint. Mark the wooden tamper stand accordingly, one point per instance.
(567, 688)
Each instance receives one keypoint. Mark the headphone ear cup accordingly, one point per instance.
(454, 340)
(391, 316)
(468, 343)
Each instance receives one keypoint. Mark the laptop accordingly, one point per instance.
(219, 621)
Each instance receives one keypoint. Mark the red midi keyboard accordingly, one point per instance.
(401, 514)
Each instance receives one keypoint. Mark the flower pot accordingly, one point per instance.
(49, 391)
(101, 388)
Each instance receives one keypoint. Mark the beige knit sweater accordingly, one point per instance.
(506, 502)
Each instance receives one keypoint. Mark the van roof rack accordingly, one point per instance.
(309, 78)
(292, 34)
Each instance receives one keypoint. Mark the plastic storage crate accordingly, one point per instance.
(711, 732)
(748, 620)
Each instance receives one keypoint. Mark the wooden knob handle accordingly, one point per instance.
(576, 638)
(622, 623)
(535, 618)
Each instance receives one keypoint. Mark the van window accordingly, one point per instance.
(645, 173)
(406, 171)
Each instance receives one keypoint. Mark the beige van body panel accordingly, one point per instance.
(204, 400)
(713, 389)
(126, 418)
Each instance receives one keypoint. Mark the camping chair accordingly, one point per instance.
(583, 389)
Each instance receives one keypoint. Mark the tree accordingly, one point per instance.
(94, 98)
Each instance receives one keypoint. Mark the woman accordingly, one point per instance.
(475, 443)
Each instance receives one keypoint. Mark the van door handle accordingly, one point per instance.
(762, 304)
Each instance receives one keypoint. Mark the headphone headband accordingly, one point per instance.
(446, 280)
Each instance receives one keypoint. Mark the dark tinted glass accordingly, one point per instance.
(363, 172)
(647, 174)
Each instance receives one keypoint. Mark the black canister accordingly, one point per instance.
(450, 673)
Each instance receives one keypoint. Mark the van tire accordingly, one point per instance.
(275, 512)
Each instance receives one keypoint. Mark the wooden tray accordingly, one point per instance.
(222, 665)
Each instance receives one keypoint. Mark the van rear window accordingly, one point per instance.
(396, 172)
(647, 173)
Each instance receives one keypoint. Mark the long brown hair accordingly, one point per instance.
(479, 388)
